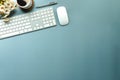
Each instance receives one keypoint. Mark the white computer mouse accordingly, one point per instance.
(62, 15)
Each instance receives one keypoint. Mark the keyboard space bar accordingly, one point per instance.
(9, 35)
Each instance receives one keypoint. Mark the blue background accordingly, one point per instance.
(86, 49)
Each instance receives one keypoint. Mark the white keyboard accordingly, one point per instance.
(29, 22)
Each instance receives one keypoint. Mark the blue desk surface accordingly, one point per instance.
(86, 49)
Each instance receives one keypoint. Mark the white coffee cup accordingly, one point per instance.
(21, 3)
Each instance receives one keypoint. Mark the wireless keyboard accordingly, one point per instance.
(28, 22)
